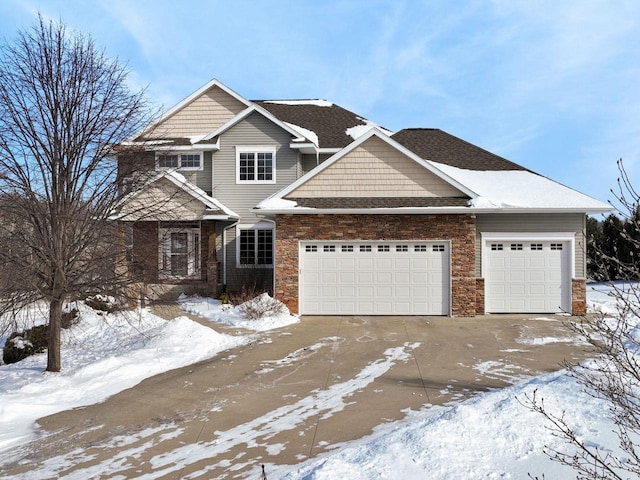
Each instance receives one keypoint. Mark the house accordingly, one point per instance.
(336, 215)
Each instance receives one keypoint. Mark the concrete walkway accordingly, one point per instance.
(289, 395)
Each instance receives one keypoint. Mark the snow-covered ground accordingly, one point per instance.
(489, 436)
(105, 354)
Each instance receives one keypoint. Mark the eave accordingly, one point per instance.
(421, 211)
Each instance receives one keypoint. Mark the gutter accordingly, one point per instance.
(424, 210)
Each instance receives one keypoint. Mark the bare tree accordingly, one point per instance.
(63, 104)
(614, 374)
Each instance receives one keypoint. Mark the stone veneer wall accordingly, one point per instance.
(479, 296)
(459, 229)
(578, 296)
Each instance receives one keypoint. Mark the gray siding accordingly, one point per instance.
(255, 130)
(570, 222)
(200, 178)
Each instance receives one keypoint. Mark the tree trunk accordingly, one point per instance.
(54, 363)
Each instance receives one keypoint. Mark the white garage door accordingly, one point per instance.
(527, 277)
(381, 278)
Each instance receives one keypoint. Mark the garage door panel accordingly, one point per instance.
(378, 278)
(384, 277)
(527, 277)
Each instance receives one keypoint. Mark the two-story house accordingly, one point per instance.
(335, 215)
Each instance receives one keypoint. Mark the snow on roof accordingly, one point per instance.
(304, 132)
(519, 189)
(276, 204)
(316, 102)
(357, 131)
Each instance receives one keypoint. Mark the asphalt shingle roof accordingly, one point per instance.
(329, 123)
(438, 146)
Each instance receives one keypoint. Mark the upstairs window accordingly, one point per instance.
(255, 165)
(182, 161)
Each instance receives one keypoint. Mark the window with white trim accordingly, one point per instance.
(179, 252)
(255, 247)
(182, 161)
(255, 165)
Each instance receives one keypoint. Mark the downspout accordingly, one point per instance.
(224, 252)
(274, 253)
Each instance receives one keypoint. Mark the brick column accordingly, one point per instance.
(479, 296)
(578, 296)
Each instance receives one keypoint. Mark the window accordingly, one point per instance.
(556, 246)
(438, 248)
(347, 248)
(402, 248)
(329, 248)
(310, 248)
(516, 246)
(365, 248)
(383, 248)
(255, 165)
(183, 161)
(536, 246)
(419, 248)
(496, 246)
(179, 255)
(256, 247)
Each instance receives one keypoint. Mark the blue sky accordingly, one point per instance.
(551, 85)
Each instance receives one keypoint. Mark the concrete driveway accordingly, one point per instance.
(290, 395)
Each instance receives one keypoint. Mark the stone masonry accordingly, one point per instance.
(459, 229)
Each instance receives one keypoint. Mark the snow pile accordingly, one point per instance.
(357, 131)
(101, 355)
(304, 132)
(218, 312)
(276, 204)
(316, 103)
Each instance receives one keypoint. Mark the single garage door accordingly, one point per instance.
(527, 277)
(377, 278)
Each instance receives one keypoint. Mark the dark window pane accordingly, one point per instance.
(247, 247)
(265, 247)
(247, 166)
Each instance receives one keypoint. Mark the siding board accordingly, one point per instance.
(255, 130)
(375, 169)
(212, 109)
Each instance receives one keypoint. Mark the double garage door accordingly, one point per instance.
(374, 278)
(527, 276)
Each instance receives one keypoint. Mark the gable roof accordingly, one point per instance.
(244, 114)
(189, 99)
(345, 151)
(438, 146)
(214, 209)
(331, 123)
(492, 183)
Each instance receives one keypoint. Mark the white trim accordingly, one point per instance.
(262, 225)
(179, 155)
(257, 149)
